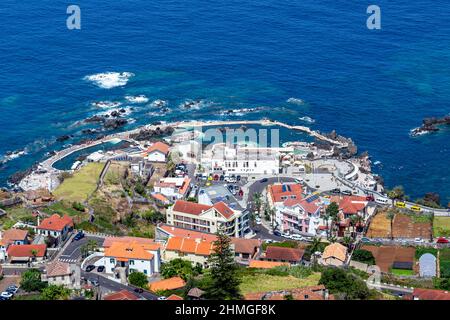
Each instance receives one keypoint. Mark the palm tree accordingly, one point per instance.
(347, 241)
(257, 199)
(92, 245)
(34, 253)
(354, 221)
(390, 214)
(315, 244)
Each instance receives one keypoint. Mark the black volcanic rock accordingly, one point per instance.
(96, 118)
(112, 124)
(63, 138)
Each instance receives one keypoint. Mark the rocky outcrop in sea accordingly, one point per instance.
(144, 135)
(430, 125)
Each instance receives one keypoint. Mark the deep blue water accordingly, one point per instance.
(373, 86)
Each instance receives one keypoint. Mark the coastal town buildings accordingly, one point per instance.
(173, 188)
(238, 160)
(292, 256)
(26, 253)
(11, 237)
(157, 152)
(56, 227)
(206, 218)
(61, 274)
(334, 254)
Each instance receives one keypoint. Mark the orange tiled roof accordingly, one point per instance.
(260, 264)
(335, 250)
(158, 146)
(174, 297)
(350, 204)
(25, 250)
(125, 251)
(148, 244)
(223, 209)
(11, 235)
(121, 295)
(160, 197)
(276, 191)
(197, 246)
(56, 223)
(242, 245)
(167, 284)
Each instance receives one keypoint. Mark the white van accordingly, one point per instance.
(382, 200)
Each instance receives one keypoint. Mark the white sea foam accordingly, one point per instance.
(296, 101)
(109, 80)
(106, 104)
(137, 99)
(307, 119)
(158, 103)
(195, 104)
(240, 112)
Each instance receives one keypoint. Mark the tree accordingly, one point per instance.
(390, 214)
(54, 292)
(34, 253)
(178, 267)
(225, 282)
(332, 212)
(257, 199)
(152, 216)
(31, 281)
(138, 279)
(364, 256)
(396, 193)
(347, 241)
(338, 281)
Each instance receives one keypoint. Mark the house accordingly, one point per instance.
(157, 152)
(207, 218)
(430, 294)
(167, 284)
(61, 274)
(121, 295)
(197, 246)
(56, 227)
(292, 256)
(38, 197)
(141, 168)
(334, 254)
(318, 292)
(240, 160)
(195, 250)
(160, 199)
(302, 216)
(173, 188)
(131, 254)
(261, 264)
(26, 253)
(9, 237)
(277, 194)
(195, 293)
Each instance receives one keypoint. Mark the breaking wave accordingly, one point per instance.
(109, 80)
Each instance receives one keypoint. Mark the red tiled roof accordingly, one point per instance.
(56, 223)
(431, 294)
(158, 146)
(242, 245)
(350, 204)
(283, 254)
(146, 243)
(24, 250)
(121, 295)
(188, 245)
(190, 207)
(160, 197)
(309, 207)
(276, 191)
(223, 209)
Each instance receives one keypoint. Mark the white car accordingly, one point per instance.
(6, 295)
(418, 240)
(286, 235)
(297, 237)
(162, 298)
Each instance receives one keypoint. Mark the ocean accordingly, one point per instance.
(371, 85)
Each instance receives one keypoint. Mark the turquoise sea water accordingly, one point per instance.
(373, 86)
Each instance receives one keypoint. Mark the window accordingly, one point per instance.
(131, 262)
(111, 260)
(145, 271)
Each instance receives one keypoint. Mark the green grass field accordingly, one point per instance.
(81, 184)
(441, 227)
(401, 272)
(263, 282)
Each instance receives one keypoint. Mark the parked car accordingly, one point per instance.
(346, 192)
(287, 235)
(258, 221)
(418, 240)
(78, 236)
(94, 282)
(100, 268)
(221, 178)
(90, 267)
(442, 240)
(370, 198)
(238, 178)
(297, 237)
(139, 290)
(162, 298)
(12, 289)
(364, 239)
(6, 294)
(336, 191)
(3, 298)
(263, 180)
(277, 233)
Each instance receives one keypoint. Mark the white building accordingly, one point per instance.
(157, 152)
(241, 160)
(207, 218)
(173, 188)
(62, 274)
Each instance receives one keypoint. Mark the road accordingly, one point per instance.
(114, 286)
(72, 253)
